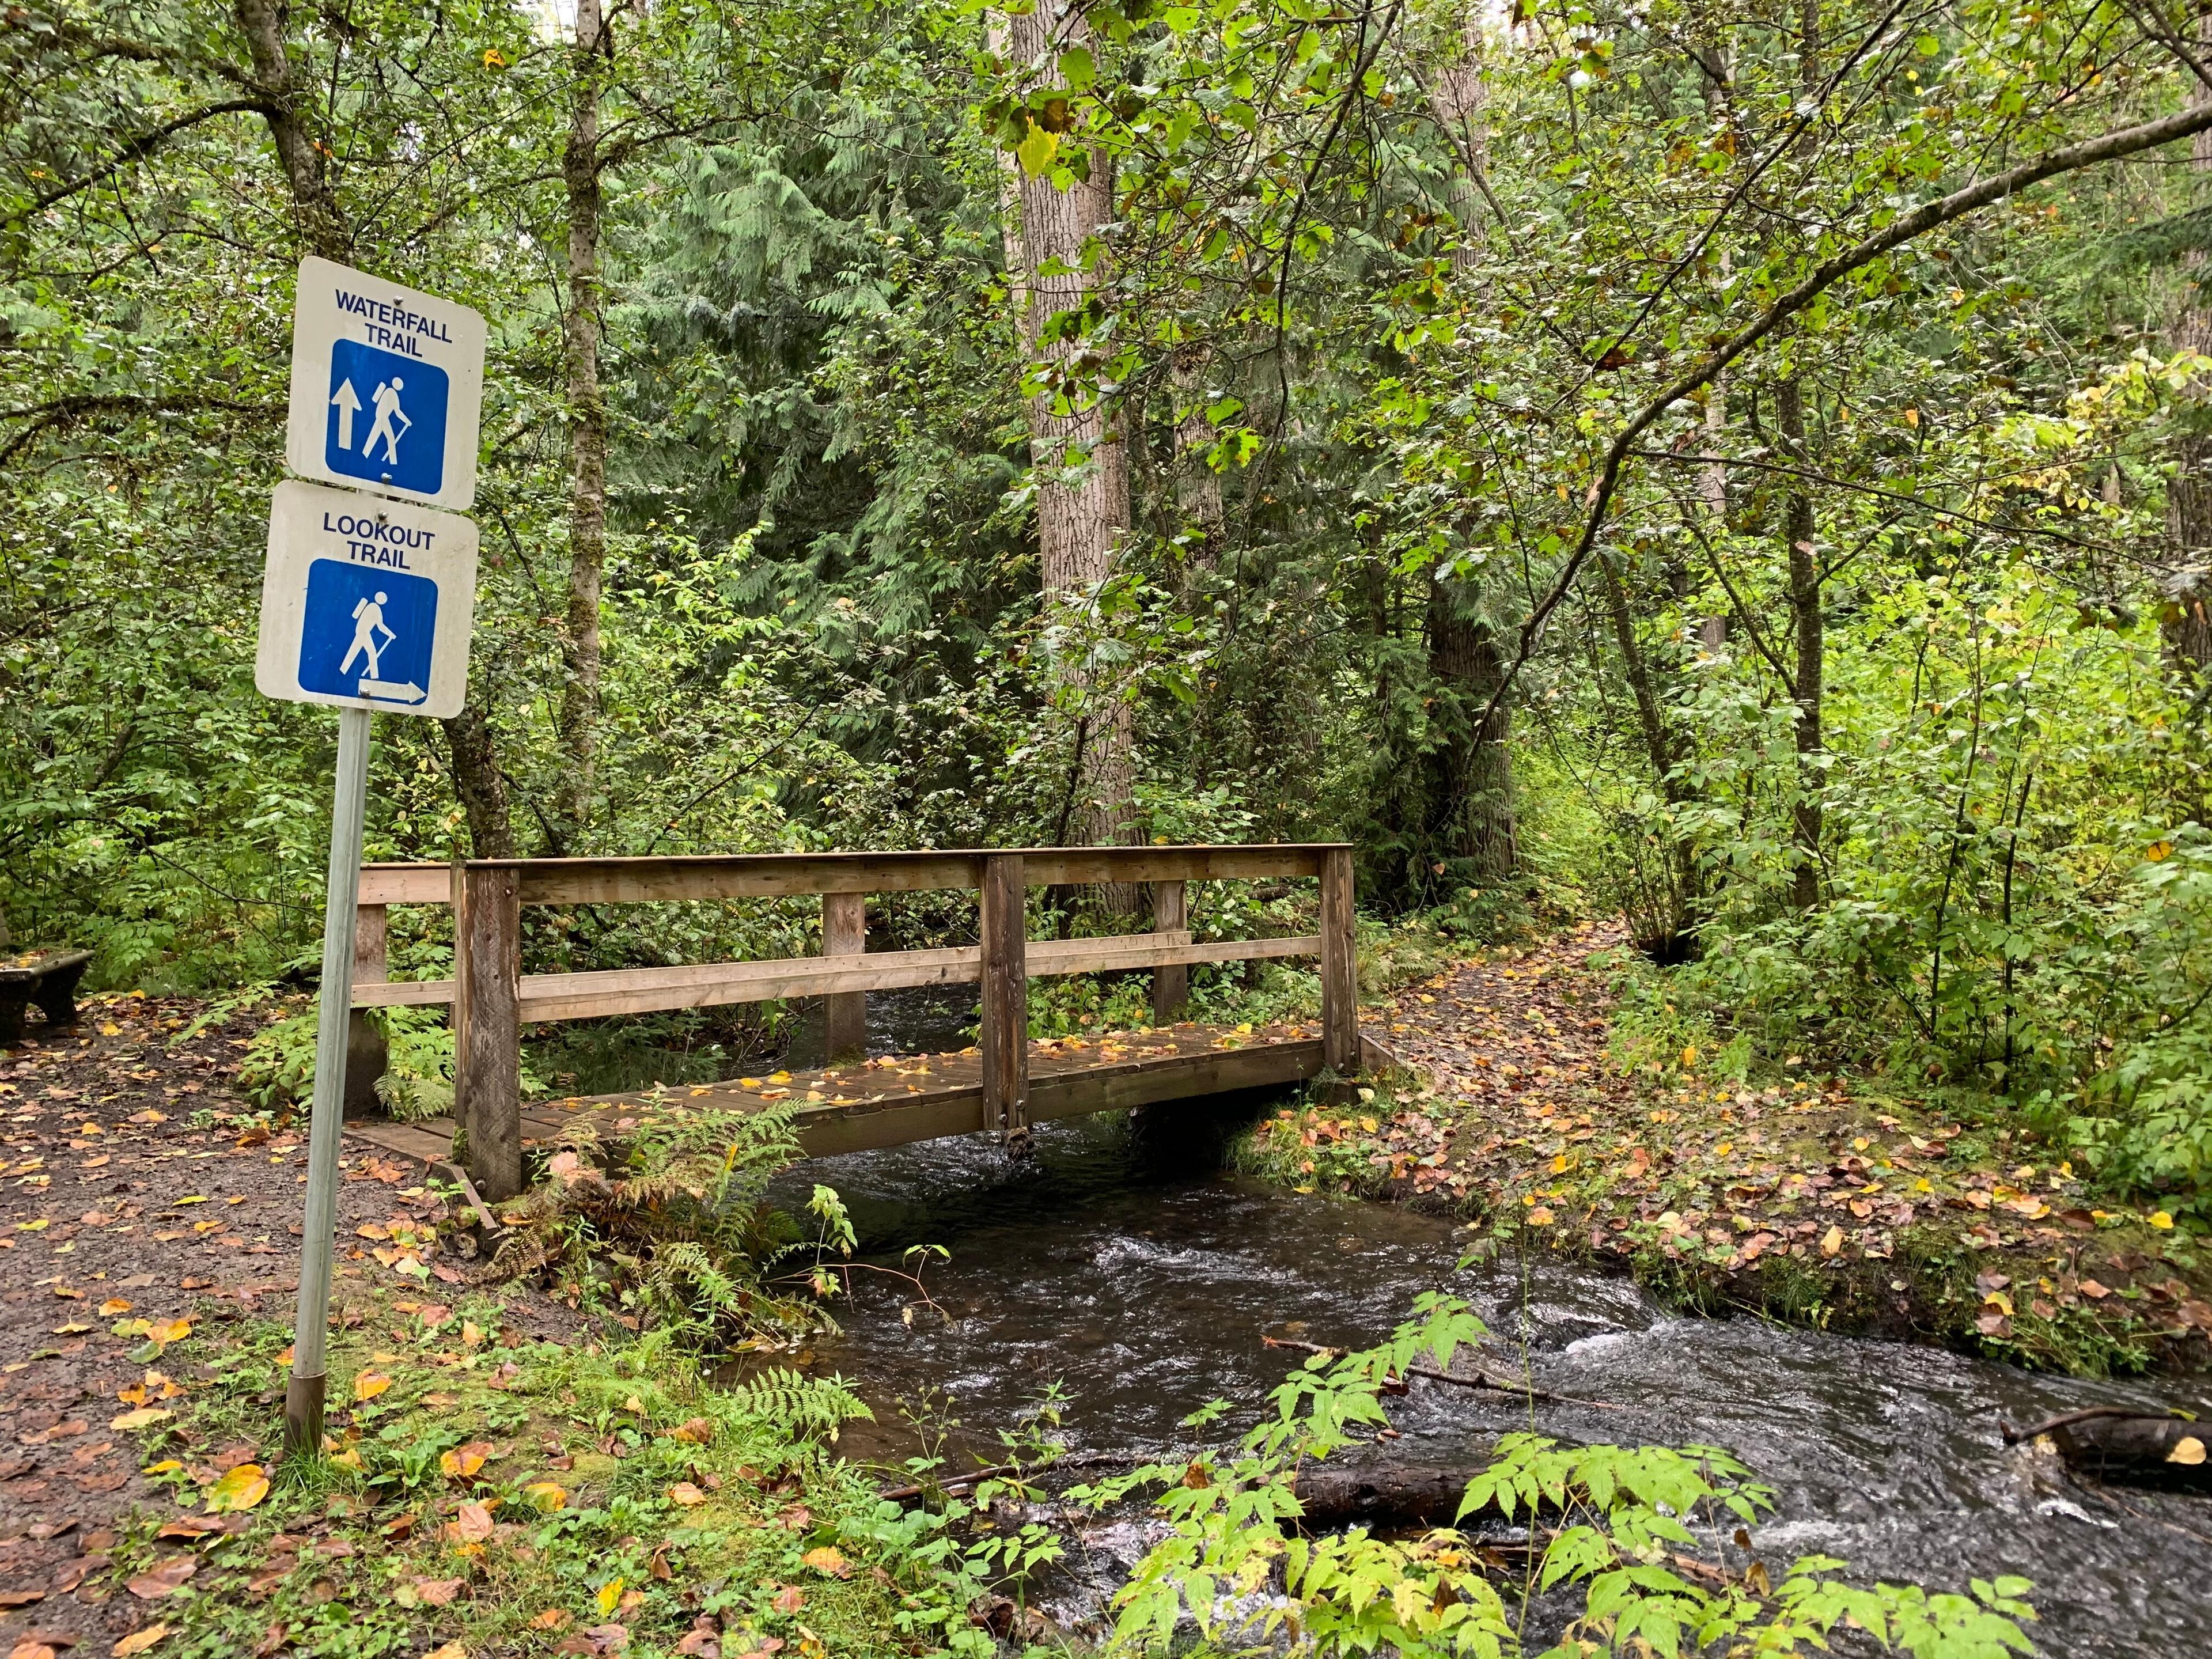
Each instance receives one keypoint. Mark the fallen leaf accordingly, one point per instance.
(1831, 1243)
(685, 1493)
(144, 1417)
(789, 1599)
(701, 1642)
(139, 1640)
(610, 1595)
(164, 1580)
(168, 1331)
(113, 1306)
(240, 1489)
(697, 1432)
(462, 1462)
(471, 1524)
(450, 1650)
(2189, 1450)
(366, 1385)
(545, 1497)
(551, 1618)
(829, 1562)
(437, 1592)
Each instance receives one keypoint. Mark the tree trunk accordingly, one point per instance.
(1475, 796)
(1081, 468)
(578, 718)
(315, 208)
(1807, 627)
(1458, 93)
(1675, 911)
(480, 783)
(1197, 485)
(2186, 585)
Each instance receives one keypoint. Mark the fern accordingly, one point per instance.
(791, 1406)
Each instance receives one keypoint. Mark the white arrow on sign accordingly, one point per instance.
(409, 692)
(348, 403)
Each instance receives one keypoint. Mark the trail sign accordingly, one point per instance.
(366, 603)
(387, 384)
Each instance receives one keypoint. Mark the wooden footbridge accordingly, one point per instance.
(1005, 1084)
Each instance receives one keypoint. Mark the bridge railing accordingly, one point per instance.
(491, 997)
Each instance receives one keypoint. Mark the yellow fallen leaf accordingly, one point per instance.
(610, 1595)
(194, 1198)
(2160, 1220)
(545, 1497)
(240, 1489)
(347, 1459)
(2188, 1449)
(450, 1650)
(112, 1306)
(144, 1417)
(138, 1641)
(168, 1331)
(828, 1561)
(366, 1385)
(464, 1460)
(1831, 1243)
(167, 1466)
(685, 1493)
(695, 1432)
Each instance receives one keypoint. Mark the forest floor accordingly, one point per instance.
(503, 1473)
(1821, 1199)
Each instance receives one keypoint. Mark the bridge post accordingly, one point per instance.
(1005, 1034)
(1171, 983)
(488, 1071)
(367, 1053)
(1339, 965)
(845, 933)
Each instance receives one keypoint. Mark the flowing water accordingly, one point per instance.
(1119, 1259)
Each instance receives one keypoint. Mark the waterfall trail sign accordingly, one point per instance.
(366, 603)
(387, 387)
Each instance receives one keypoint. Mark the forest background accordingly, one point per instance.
(1739, 467)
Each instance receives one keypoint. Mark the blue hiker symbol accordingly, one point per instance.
(386, 404)
(367, 623)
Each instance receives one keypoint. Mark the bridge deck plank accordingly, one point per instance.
(895, 1099)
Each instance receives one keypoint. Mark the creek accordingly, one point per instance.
(1121, 1258)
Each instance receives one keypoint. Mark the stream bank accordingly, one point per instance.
(1119, 1267)
(1821, 1200)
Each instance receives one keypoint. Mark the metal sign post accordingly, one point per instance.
(366, 603)
(304, 1395)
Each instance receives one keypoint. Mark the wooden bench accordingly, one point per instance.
(47, 977)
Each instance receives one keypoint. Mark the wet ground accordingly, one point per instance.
(1119, 1260)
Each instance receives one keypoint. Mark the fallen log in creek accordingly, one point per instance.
(1481, 1379)
(1386, 1499)
(2128, 1447)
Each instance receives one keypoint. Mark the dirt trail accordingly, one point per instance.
(130, 1217)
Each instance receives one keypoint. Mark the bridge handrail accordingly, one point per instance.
(491, 997)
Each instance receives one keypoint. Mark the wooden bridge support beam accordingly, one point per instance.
(366, 1051)
(1170, 984)
(1339, 965)
(845, 933)
(487, 1044)
(1006, 982)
